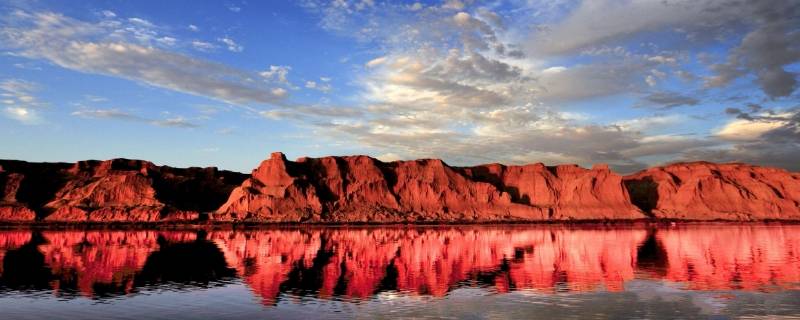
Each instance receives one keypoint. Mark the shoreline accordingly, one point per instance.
(332, 225)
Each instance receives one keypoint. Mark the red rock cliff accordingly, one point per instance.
(566, 192)
(363, 189)
(106, 191)
(708, 191)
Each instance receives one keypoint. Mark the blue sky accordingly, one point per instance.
(204, 83)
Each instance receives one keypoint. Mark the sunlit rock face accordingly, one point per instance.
(360, 189)
(359, 263)
(708, 191)
(567, 192)
(118, 190)
(363, 189)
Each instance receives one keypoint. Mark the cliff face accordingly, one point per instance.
(26, 186)
(566, 192)
(363, 189)
(708, 191)
(118, 190)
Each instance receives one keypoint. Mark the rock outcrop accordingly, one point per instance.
(708, 191)
(360, 189)
(363, 189)
(118, 190)
(567, 192)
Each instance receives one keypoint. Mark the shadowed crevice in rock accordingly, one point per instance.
(484, 174)
(195, 189)
(35, 184)
(643, 193)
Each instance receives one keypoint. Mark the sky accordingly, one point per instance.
(225, 83)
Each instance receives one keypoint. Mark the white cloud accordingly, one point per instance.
(167, 41)
(453, 5)
(234, 8)
(203, 46)
(116, 114)
(322, 86)
(749, 130)
(662, 59)
(22, 114)
(80, 46)
(141, 22)
(277, 73)
(106, 114)
(232, 45)
(19, 101)
(766, 35)
(177, 122)
(375, 62)
(389, 157)
(193, 28)
(650, 122)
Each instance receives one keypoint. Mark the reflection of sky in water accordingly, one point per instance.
(235, 301)
(481, 271)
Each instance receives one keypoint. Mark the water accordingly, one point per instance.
(496, 272)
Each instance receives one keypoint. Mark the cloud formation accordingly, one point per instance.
(19, 102)
(460, 81)
(767, 137)
(116, 114)
(84, 47)
(643, 83)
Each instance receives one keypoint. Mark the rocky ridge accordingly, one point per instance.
(360, 189)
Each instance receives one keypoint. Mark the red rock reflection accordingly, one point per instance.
(82, 260)
(431, 261)
(361, 262)
(742, 257)
(10, 240)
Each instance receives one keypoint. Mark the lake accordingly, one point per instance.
(479, 272)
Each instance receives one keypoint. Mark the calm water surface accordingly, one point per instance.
(497, 272)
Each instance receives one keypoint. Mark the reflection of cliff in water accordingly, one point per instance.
(198, 262)
(109, 263)
(23, 264)
(362, 262)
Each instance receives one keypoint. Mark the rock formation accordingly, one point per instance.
(118, 190)
(360, 189)
(363, 189)
(567, 192)
(708, 191)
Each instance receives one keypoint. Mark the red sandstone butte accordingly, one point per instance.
(708, 191)
(118, 190)
(363, 189)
